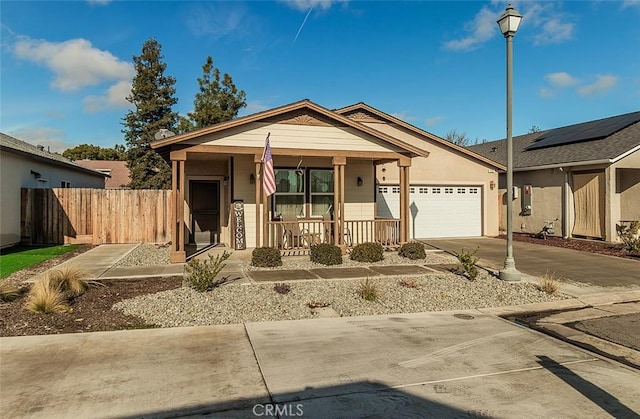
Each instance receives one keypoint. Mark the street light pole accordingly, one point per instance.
(509, 22)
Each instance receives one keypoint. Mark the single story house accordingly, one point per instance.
(344, 176)
(23, 165)
(586, 175)
(118, 171)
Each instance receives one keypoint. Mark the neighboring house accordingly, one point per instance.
(23, 165)
(118, 170)
(586, 175)
(348, 176)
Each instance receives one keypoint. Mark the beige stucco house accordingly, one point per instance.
(587, 176)
(23, 165)
(343, 176)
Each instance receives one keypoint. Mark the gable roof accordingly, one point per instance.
(607, 149)
(16, 146)
(120, 175)
(425, 135)
(296, 106)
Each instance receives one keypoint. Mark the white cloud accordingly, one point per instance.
(99, 2)
(52, 139)
(630, 3)
(115, 97)
(433, 120)
(218, 19)
(554, 32)
(561, 79)
(482, 28)
(305, 5)
(603, 83)
(546, 92)
(75, 63)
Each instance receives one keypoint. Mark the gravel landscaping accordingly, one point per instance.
(238, 303)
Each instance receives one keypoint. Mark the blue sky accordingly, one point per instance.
(66, 66)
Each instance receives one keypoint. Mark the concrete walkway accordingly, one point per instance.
(405, 365)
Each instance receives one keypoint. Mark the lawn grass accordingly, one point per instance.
(16, 258)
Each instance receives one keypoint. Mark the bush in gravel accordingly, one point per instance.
(409, 283)
(326, 254)
(548, 284)
(45, 297)
(282, 288)
(468, 261)
(8, 291)
(412, 250)
(266, 257)
(72, 281)
(201, 274)
(367, 252)
(368, 290)
(630, 236)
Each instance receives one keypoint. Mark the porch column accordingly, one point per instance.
(403, 166)
(178, 253)
(256, 160)
(338, 199)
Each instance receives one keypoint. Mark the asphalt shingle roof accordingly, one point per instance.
(592, 150)
(22, 147)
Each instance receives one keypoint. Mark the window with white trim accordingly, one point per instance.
(296, 196)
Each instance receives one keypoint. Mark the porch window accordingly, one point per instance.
(321, 191)
(289, 197)
(297, 197)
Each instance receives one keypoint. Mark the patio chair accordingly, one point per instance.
(293, 235)
(328, 231)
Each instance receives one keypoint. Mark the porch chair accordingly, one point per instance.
(328, 230)
(293, 235)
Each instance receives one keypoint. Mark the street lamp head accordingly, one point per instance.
(509, 21)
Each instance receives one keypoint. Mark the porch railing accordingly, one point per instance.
(300, 235)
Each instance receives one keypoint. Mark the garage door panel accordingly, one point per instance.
(436, 211)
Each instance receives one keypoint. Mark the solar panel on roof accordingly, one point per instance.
(587, 131)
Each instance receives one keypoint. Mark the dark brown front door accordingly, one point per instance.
(205, 211)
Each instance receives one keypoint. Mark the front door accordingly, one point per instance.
(205, 212)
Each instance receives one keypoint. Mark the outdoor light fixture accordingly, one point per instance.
(509, 22)
(360, 181)
(252, 178)
(225, 181)
(492, 185)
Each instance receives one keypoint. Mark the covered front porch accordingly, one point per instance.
(325, 175)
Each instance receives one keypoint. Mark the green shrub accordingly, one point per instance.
(266, 257)
(629, 236)
(201, 274)
(368, 290)
(367, 252)
(412, 250)
(468, 261)
(326, 254)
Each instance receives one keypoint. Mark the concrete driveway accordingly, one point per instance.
(538, 260)
(447, 364)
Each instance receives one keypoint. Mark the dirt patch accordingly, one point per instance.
(91, 311)
(592, 246)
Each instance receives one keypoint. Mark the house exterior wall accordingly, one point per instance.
(283, 135)
(546, 200)
(445, 166)
(626, 189)
(15, 173)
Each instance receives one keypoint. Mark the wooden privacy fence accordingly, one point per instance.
(96, 216)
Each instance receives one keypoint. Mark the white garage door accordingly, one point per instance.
(436, 211)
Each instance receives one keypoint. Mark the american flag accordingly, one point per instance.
(268, 176)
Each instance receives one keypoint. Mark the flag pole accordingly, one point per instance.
(265, 212)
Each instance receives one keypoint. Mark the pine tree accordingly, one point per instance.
(217, 101)
(152, 95)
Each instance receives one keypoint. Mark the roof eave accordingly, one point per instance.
(53, 161)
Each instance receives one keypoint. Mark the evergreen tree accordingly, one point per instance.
(217, 101)
(152, 95)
